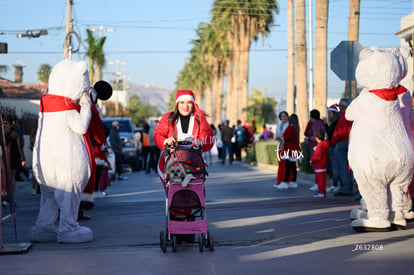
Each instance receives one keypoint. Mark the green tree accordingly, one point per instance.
(139, 111)
(96, 56)
(261, 108)
(44, 72)
(245, 20)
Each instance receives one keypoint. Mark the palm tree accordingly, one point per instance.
(246, 20)
(301, 65)
(44, 72)
(96, 55)
(321, 53)
(213, 47)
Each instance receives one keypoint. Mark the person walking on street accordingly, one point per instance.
(116, 145)
(226, 135)
(239, 132)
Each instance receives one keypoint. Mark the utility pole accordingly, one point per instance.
(310, 50)
(117, 73)
(67, 48)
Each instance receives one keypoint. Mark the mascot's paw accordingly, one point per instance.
(41, 234)
(357, 213)
(82, 235)
(409, 216)
(371, 225)
(398, 224)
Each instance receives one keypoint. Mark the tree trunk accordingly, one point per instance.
(208, 101)
(231, 99)
(244, 81)
(301, 66)
(290, 87)
(217, 97)
(321, 56)
(353, 35)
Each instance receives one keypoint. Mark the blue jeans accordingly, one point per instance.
(333, 166)
(227, 149)
(345, 175)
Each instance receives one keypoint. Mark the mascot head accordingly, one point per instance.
(381, 68)
(69, 79)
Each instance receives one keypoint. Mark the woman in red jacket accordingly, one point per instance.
(291, 153)
(186, 123)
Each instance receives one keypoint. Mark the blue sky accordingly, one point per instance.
(153, 36)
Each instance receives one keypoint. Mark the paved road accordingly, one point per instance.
(256, 230)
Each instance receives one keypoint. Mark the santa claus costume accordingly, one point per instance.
(189, 128)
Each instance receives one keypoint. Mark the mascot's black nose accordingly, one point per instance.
(103, 89)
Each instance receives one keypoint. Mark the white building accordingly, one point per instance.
(406, 35)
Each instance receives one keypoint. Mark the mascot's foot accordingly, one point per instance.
(409, 216)
(398, 224)
(358, 213)
(82, 235)
(371, 225)
(38, 234)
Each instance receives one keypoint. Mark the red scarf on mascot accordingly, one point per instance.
(56, 103)
(390, 94)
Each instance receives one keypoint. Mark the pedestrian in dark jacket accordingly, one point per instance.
(226, 134)
(116, 145)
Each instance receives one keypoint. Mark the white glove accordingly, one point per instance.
(85, 100)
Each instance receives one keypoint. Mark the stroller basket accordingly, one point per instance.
(185, 199)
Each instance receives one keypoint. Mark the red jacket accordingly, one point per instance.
(291, 145)
(320, 158)
(201, 131)
(342, 130)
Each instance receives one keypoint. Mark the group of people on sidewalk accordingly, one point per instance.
(327, 142)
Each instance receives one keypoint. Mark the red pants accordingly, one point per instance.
(281, 171)
(320, 178)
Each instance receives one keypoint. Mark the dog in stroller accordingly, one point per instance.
(185, 211)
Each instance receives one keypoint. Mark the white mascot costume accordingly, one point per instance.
(61, 161)
(380, 152)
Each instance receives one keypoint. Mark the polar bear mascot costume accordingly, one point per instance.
(61, 159)
(380, 151)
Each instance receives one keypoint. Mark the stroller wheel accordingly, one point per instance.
(210, 242)
(174, 243)
(163, 242)
(201, 243)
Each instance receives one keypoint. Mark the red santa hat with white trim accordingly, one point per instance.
(333, 108)
(184, 95)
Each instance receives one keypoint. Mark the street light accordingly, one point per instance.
(117, 73)
(32, 34)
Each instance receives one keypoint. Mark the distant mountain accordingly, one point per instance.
(151, 94)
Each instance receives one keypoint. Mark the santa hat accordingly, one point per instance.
(184, 95)
(333, 108)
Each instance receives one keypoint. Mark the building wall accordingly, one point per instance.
(407, 22)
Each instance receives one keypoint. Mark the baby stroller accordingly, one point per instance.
(185, 205)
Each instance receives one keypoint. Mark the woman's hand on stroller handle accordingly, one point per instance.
(197, 143)
(170, 142)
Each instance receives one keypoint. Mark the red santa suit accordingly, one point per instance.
(320, 163)
(198, 129)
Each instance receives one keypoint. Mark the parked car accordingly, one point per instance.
(129, 143)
